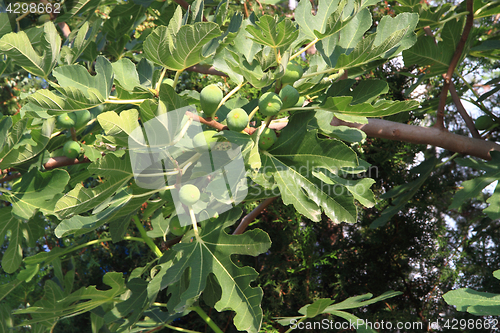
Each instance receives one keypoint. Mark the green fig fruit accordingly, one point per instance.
(189, 194)
(270, 104)
(204, 140)
(176, 228)
(210, 97)
(82, 118)
(267, 139)
(71, 149)
(293, 72)
(67, 120)
(289, 96)
(484, 122)
(43, 18)
(237, 120)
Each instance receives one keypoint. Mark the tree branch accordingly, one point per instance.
(391, 130)
(205, 69)
(245, 222)
(465, 116)
(453, 64)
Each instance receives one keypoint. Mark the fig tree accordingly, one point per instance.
(189, 194)
(204, 140)
(43, 18)
(165, 195)
(289, 96)
(168, 81)
(67, 120)
(82, 118)
(237, 120)
(267, 139)
(175, 226)
(210, 98)
(270, 104)
(300, 102)
(484, 122)
(71, 149)
(293, 73)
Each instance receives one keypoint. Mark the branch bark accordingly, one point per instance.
(453, 64)
(465, 116)
(391, 130)
(245, 222)
(205, 69)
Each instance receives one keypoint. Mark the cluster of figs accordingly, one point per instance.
(73, 120)
(270, 104)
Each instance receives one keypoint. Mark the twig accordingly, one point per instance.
(245, 221)
(468, 120)
(214, 123)
(453, 64)
(206, 69)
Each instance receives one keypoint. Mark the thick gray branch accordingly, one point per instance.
(391, 130)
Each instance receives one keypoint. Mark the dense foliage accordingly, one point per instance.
(171, 165)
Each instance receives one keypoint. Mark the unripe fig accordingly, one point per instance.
(484, 122)
(71, 149)
(210, 98)
(293, 73)
(270, 104)
(189, 194)
(237, 120)
(43, 18)
(67, 120)
(204, 140)
(267, 139)
(82, 118)
(289, 96)
(175, 227)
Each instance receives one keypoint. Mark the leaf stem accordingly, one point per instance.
(179, 329)
(162, 75)
(291, 329)
(448, 160)
(308, 46)
(125, 101)
(231, 93)
(176, 78)
(100, 240)
(195, 225)
(206, 318)
(146, 238)
(470, 88)
(301, 108)
(254, 111)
